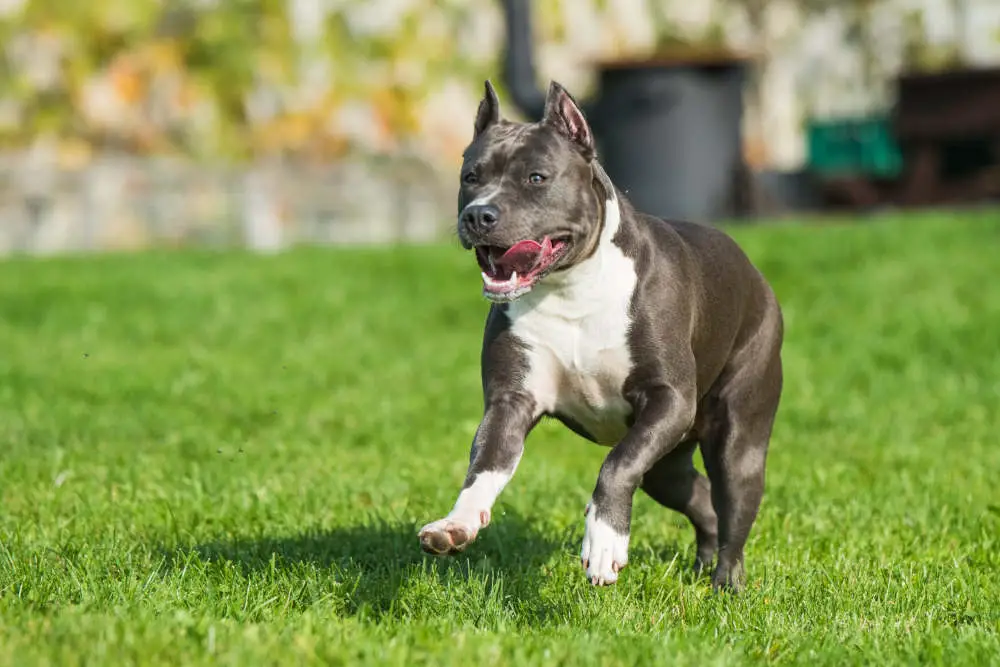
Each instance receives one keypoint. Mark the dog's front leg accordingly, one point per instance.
(496, 451)
(663, 416)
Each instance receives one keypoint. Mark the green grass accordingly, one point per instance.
(222, 458)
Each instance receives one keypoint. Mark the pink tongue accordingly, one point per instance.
(523, 255)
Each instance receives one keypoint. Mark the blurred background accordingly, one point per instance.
(135, 123)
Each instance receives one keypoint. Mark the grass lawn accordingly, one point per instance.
(223, 458)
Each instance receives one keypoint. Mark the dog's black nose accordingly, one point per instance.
(480, 216)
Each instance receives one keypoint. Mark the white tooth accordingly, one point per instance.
(513, 277)
(486, 278)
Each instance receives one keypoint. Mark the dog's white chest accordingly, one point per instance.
(576, 334)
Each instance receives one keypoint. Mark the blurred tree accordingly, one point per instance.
(302, 78)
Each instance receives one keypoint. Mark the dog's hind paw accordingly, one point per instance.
(728, 577)
(446, 536)
(604, 552)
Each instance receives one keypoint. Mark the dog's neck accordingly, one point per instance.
(585, 287)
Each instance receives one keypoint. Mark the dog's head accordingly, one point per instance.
(530, 203)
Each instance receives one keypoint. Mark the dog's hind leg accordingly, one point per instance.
(676, 484)
(734, 445)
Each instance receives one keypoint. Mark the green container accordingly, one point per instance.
(853, 147)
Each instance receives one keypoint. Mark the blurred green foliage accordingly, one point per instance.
(182, 76)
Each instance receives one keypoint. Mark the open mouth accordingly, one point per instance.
(510, 272)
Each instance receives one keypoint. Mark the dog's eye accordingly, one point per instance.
(536, 178)
(470, 178)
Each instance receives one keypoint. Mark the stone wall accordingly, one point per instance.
(126, 203)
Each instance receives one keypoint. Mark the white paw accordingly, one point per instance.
(451, 534)
(605, 551)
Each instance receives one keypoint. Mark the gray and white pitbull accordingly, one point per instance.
(649, 336)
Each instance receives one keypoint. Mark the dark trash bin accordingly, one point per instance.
(668, 128)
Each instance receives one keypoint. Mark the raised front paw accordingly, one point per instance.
(448, 536)
(605, 550)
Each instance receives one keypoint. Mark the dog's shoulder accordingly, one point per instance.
(704, 244)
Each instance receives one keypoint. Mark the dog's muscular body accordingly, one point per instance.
(649, 336)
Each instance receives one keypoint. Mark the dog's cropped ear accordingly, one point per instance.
(489, 110)
(563, 113)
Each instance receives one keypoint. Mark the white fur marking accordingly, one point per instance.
(479, 498)
(485, 198)
(474, 506)
(575, 325)
(604, 551)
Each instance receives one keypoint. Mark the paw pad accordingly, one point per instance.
(446, 537)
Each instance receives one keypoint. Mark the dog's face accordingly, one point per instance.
(529, 202)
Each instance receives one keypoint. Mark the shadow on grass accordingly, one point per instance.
(374, 561)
